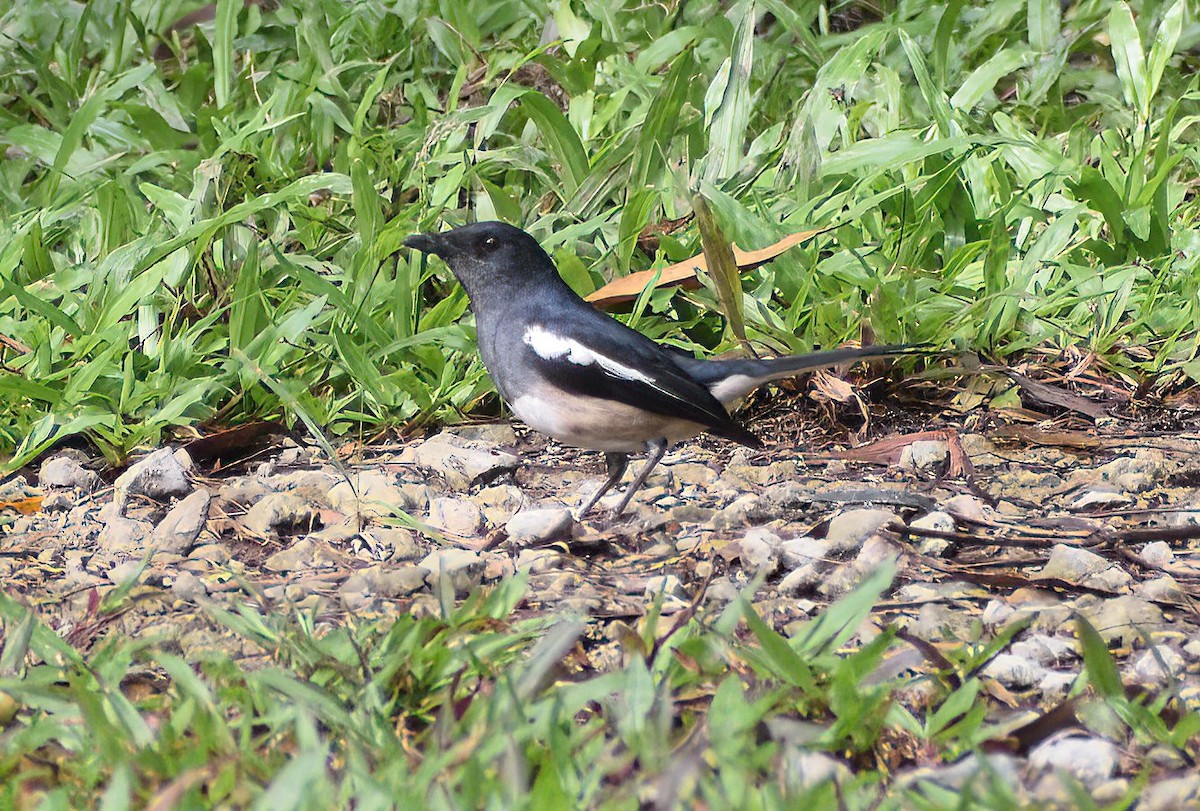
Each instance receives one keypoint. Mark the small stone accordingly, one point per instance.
(849, 530)
(122, 534)
(667, 584)
(736, 514)
(122, 572)
(925, 454)
(305, 553)
(1075, 565)
(214, 553)
(798, 552)
(1103, 496)
(805, 770)
(186, 586)
(721, 590)
(874, 552)
(1191, 650)
(159, 476)
(841, 580)
(532, 527)
(975, 768)
(462, 567)
(1158, 554)
(686, 473)
(394, 581)
(393, 543)
(804, 579)
(462, 462)
(370, 494)
(691, 513)
(1148, 669)
(1014, 671)
(457, 516)
(58, 501)
(1170, 794)
(934, 547)
(500, 502)
(1046, 650)
(497, 566)
(1161, 589)
(340, 533)
(1057, 683)
(981, 450)
(539, 561)
(64, 471)
(1091, 761)
(281, 512)
(759, 550)
(936, 622)
(243, 491)
(967, 507)
(488, 433)
(1122, 618)
(180, 528)
(937, 520)
(996, 613)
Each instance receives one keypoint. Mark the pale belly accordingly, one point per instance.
(597, 424)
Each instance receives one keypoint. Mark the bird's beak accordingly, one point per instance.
(435, 244)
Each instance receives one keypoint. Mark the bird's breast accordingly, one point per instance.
(596, 423)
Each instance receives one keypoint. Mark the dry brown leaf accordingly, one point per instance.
(25, 506)
(628, 288)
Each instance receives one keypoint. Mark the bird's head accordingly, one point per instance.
(487, 256)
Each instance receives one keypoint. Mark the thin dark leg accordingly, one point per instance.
(656, 449)
(616, 464)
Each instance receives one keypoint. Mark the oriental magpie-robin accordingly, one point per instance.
(570, 371)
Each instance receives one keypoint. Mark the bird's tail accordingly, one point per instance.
(732, 379)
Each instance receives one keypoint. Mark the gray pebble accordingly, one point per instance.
(849, 530)
(278, 511)
(925, 455)
(1014, 671)
(121, 534)
(1075, 565)
(160, 476)
(1158, 553)
(180, 528)
(538, 526)
(1091, 761)
(1149, 670)
(462, 567)
(462, 462)
(64, 471)
(457, 516)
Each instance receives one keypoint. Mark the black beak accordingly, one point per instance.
(429, 243)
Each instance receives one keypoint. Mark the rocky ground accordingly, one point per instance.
(987, 530)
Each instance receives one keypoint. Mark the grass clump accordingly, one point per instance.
(191, 211)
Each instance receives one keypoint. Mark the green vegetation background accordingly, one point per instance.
(214, 234)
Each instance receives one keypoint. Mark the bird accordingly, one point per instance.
(577, 374)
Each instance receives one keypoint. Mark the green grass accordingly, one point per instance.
(478, 708)
(178, 231)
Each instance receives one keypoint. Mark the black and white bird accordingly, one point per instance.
(572, 372)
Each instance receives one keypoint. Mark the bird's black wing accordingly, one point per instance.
(600, 357)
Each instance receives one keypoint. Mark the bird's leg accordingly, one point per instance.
(656, 448)
(616, 464)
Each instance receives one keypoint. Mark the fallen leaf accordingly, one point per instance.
(628, 288)
(25, 506)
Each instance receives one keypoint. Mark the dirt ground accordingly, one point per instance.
(994, 526)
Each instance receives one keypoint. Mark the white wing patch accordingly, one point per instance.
(550, 346)
(734, 387)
